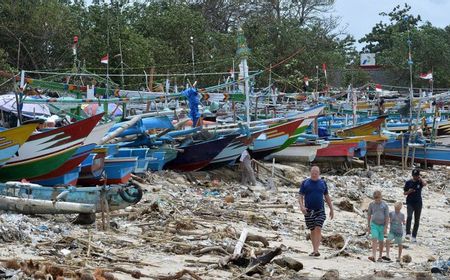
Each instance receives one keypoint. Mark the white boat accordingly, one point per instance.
(300, 152)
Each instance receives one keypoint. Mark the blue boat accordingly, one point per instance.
(70, 178)
(431, 154)
(141, 154)
(118, 197)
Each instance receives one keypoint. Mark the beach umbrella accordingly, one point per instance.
(8, 103)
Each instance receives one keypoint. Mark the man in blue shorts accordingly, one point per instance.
(312, 193)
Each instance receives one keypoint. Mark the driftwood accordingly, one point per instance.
(36, 206)
(289, 263)
(347, 241)
(254, 237)
(210, 249)
(180, 274)
(276, 174)
(256, 264)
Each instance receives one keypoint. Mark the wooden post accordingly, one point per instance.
(150, 87)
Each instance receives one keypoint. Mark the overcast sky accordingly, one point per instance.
(361, 15)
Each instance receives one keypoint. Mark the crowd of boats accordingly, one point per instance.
(72, 152)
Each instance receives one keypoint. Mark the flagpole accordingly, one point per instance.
(432, 80)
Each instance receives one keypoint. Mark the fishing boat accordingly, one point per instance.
(309, 116)
(341, 151)
(31, 198)
(300, 152)
(65, 174)
(162, 156)
(142, 156)
(423, 152)
(194, 156)
(231, 153)
(11, 140)
(92, 167)
(46, 151)
(272, 138)
(363, 129)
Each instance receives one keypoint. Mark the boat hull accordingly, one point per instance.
(431, 154)
(12, 139)
(196, 156)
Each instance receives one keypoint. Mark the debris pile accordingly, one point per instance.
(205, 225)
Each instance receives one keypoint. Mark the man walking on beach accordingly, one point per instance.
(413, 192)
(312, 193)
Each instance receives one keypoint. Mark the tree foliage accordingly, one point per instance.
(294, 36)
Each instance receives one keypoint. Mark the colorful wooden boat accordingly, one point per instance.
(118, 197)
(309, 116)
(299, 152)
(68, 178)
(92, 167)
(46, 151)
(65, 173)
(272, 138)
(142, 156)
(231, 153)
(339, 151)
(11, 140)
(432, 154)
(161, 156)
(363, 129)
(197, 155)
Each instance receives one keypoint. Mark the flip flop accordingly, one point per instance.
(312, 254)
(317, 254)
(386, 258)
(371, 259)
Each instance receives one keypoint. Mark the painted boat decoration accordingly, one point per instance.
(11, 140)
(80, 155)
(308, 116)
(46, 151)
(431, 154)
(118, 197)
(272, 138)
(197, 155)
(232, 152)
(363, 129)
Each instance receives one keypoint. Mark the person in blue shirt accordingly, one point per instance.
(413, 191)
(311, 195)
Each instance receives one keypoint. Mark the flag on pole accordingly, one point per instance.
(324, 68)
(378, 88)
(105, 59)
(426, 76)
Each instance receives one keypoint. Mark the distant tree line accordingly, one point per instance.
(294, 36)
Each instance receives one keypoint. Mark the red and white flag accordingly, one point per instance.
(324, 68)
(105, 59)
(426, 76)
(378, 88)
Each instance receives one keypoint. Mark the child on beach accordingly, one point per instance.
(377, 219)
(397, 219)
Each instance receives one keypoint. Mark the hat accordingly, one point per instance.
(416, 172)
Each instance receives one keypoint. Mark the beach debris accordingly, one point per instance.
(346, 205)
(289, 263)
(336, 241)
(384, 274)
(332, 274)
(179, 275)
(424, 276)
(406, 258)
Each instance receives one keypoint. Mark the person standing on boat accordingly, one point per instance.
(311, 195)
(413, 191)
(247, 176)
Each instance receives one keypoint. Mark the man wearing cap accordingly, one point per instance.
(413, 192)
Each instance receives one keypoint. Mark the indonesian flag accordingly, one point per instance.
(426, 76)
(105, 59)
(324, 68)
(378, 88)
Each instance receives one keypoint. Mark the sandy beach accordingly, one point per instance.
(193, 223)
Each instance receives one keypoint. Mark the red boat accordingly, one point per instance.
(336, 151)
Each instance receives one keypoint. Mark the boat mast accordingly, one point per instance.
(243, 52)
(410, 63)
